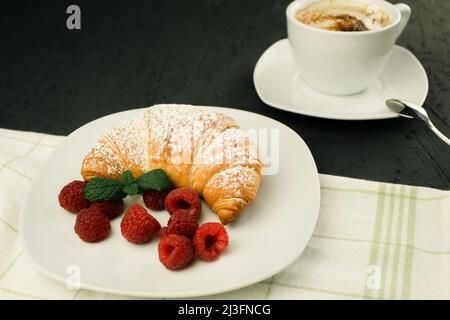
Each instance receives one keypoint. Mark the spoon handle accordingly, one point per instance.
(439, 134)
(422, 114)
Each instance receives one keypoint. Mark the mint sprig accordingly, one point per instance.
(156, 180)
(104, 189)
(130, 186)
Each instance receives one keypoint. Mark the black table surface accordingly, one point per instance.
(132, 54)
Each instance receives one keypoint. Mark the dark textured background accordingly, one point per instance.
(136, 53)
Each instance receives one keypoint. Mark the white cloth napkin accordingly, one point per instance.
(372, 241)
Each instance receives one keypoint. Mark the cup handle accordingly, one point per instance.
(405, 12)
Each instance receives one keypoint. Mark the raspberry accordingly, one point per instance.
(175, 251)
(110, 208)
(154, 200)
(92, 225)
(163, 232)
(138, 226)
(71, 197)
(177, 215)
(184, 198)
(210, 240)
(182, 223)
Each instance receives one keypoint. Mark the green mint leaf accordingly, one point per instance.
(156, 180)
(131, 189)
(103, 189)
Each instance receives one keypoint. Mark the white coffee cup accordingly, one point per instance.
(343, 63)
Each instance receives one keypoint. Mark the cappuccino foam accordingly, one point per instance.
(343, 16)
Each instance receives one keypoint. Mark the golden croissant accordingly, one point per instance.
(197, 148)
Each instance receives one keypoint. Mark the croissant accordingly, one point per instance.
(197, 148)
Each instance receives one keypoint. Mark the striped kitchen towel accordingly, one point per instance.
(372, 241)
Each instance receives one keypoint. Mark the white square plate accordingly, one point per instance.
(269, 235)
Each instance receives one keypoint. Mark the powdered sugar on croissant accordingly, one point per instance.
(198, 148)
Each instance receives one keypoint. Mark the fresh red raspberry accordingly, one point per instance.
(184, 198)
(182, 223)
(71, 197)
(111, 208)
(177, 214)
(210, 240)
(175, 251)
(163, 232)
(154, 200)
(138, 226)
(92, 225)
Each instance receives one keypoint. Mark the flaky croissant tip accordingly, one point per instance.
(226, 216)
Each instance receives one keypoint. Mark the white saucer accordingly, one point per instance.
(279, 85)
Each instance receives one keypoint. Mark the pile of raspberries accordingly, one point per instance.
(179, 242)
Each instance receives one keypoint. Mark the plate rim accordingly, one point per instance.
(328, 115)
(141, 294)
